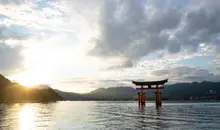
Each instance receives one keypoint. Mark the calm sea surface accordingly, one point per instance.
(83, 115)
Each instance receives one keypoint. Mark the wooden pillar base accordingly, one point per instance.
(143, 99)
(158, 99)
(139, 99)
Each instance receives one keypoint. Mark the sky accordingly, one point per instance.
(81, 45)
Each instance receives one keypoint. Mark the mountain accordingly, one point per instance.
(185, 90)
(14, 92)
(113, 93)
(4, 81)
(70, 95)
(179, 91)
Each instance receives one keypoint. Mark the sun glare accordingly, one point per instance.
(45, 67)
(31, 78)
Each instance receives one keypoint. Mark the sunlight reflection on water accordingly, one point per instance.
(108, 115)
(26, 118)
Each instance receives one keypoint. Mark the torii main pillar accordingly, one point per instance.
(150, 84)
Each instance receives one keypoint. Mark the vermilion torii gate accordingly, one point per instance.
(151, 85)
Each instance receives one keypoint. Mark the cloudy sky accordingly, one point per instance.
(81, 45)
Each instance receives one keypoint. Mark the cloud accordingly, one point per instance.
(41, 3)
(125, 64)
(91, 83)
(21, 27)
(127, 30)
(6, 2)
(11, 59)
(134, 29)
(3, 17)
(217, 61)
(14, 32)
(186, 73)
(10, 54)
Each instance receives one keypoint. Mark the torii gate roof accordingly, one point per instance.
(150, 82)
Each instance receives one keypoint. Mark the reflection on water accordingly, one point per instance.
(108, 115)
(26, 117)
(142, 117)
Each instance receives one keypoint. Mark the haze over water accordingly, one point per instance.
(110, 115)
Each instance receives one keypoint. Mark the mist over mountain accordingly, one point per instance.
(179, 91)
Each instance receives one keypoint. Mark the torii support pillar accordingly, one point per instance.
(143, 99)
(158, 99)
(139, 98)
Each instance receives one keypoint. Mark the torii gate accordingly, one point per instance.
(141, 95)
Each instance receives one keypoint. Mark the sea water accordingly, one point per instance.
(109, 115)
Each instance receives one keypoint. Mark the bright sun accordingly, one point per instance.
(31, 78)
